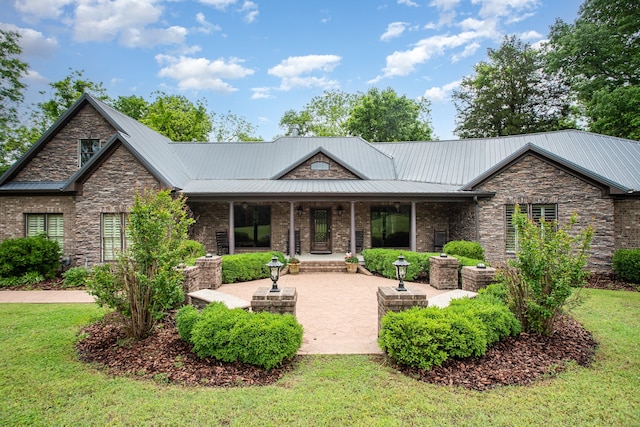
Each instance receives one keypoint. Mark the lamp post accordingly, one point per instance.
(274, 271)
(401, 271)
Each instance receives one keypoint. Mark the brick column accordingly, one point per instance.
(474, 278)
(390, 299)
(283, 301)
(209, 272)
(443, 272)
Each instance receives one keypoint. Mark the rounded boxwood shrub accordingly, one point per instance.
(186, 317)
(626, 264)
(464, 248)
(75, 277)
(246, 267)
(29, 254)
(212, 334)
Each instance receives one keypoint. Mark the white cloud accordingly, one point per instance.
(261, 93)
(291, 71)
(442, 93)
(469, 50)
(251, 10)
(218, 4)
(206, 27)
(444, 4)
(98, 20)
(530, 35)
(42, 9)
(496, 8)
(33, 43)
(134, 37)
(202, 73)
(408, 3)
(35, 78)
(394, 29)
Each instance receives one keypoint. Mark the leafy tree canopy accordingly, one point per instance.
(384, 116)
(599, 56)
(178, 118)
(324, 115)
(510, 94)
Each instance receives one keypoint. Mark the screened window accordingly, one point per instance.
(390, 226)
(536, 212)
(50, 225)
(114, 235)
(86, 149)
(252, 226)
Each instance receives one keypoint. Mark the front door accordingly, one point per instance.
(320, 231)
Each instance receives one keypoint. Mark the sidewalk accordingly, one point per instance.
(45, 297)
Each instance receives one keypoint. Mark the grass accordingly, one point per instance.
(42, 383)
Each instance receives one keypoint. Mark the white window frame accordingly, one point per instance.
(535, 211)
(49, 224)
(113, 235)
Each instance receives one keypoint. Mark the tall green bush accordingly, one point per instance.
(381, 261)
(247, 267)
(626, 264)
(549, 264)
(29, 255)
(143, 285)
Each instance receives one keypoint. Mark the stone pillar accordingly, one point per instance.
(283, 301)
(390, 299)
(443, 272)
(474, 278)
(209, 272)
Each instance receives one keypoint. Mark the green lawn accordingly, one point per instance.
(42, 383)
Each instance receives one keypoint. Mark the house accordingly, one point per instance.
(318, 194)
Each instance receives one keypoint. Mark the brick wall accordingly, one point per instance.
(58, 159)
(110, 189)
(627, 230)
(534, 180)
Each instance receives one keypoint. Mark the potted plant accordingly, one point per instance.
(294, 265)
(351, 262)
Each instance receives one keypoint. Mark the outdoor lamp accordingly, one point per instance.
(300, 210)
(274, 270)
(340, 210)
(401, 271)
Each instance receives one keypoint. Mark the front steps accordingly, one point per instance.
(327, 266)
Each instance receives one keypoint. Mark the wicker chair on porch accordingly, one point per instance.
(222, 242)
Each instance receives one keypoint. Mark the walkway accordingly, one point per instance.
(339, 311)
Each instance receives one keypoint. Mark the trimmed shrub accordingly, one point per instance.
(423, 337)
(464, 248)
(495, 292)
(186, 317)
(190, 250)
(381, 261)
(29, 254)
(246, 267)
(626, 264)
(75, 277)
(262, 339)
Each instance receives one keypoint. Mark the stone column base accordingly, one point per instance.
(390, 299)
(283, 301)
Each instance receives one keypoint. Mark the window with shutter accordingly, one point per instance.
(511, 232)
(536, 212)
(114, 235)
(49, 225)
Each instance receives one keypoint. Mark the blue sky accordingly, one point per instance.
(259, 58)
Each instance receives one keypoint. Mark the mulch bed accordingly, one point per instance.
(164, 357)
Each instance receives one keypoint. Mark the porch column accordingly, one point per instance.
(232, 234)
(352, 227)
(412, 226)
(292, 233)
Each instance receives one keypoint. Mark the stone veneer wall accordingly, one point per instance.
(58, 159)
(110, 189)
(627, 230)
(335, 171)
(534, 180)
(13, 208)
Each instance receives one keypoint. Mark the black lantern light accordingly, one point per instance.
(340, 210)
(274, 271)
(401, 271)
(300, 210)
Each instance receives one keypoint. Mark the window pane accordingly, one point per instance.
(35, 224)
(55, 229)
(252, 226)
(111, 236)
(548, 212)
(390, 227)
(88, 147)
(511, 236)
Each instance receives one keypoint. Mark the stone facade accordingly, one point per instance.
(443, 272)
(474, 278)
(335, 170)
(627, 223)
(281, 302)
(535, 180)
(390, 299)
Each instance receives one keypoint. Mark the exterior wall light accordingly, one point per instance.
(300, 210)
(340, 210)
(401, 271)
(274, 271)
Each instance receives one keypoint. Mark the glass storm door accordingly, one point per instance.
(320, 231)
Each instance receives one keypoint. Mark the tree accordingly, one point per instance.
(133, 106)
(324, 115)
(385, 116)
(599, 57)
(12, 69)
(549, 265)
(510, 94)
(144, 284)
(231, 127)
(178, 119)
(66, 93)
